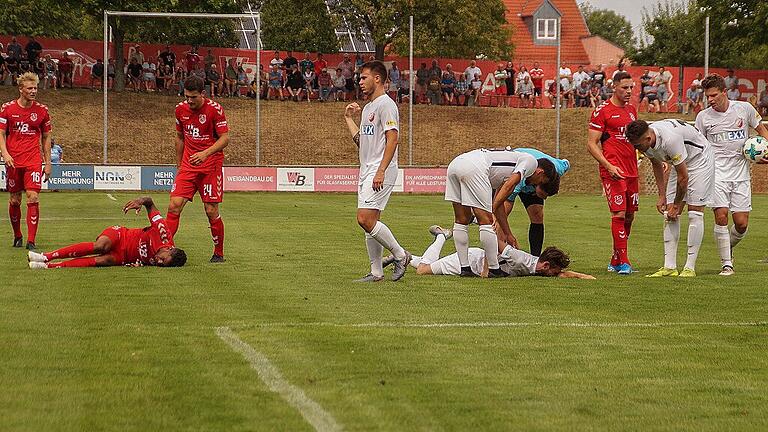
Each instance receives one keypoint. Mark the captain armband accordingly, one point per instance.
(356, 139)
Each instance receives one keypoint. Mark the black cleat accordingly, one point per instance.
(31, 246)
(497, 273)
(217, 259)
(467, 272)
(17, 241)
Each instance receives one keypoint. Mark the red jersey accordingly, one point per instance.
(192, 60)
(141, 244)
(23, 129)
(612, 121)
(201, 129)
(537, 77)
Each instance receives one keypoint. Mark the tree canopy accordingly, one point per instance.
(609, 25)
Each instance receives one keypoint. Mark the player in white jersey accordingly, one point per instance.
(691, 182)
(472, 178)
(376, 139)
(514, 262)
(726, 125)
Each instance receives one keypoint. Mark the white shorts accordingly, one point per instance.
(701, 187)
(450, 265)
(467, 182)
(736, 196)
(367, 198)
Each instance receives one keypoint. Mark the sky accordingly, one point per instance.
(631, 9)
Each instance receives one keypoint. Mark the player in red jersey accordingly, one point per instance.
(618, 165)
(24, 122)
(201, 135)
(117, 246)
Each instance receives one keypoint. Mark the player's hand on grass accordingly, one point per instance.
(198, 158)
(661, 205)
(615, 172)
(352, 109)
(378, 181)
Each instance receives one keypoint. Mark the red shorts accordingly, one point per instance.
(210, 185)
(116, 234)
(26, 178)
(622, 195)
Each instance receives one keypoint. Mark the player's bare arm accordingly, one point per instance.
(596, 150)
(673, 210)
(350, 112)
(46, 137)
(570, 274)
(389, 153)
(661, 184)
(138, 203)
(499, 211)
(220, 144)
(179, 148)
(4, 150)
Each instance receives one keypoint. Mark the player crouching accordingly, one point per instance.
(514, 262)
(117, 246)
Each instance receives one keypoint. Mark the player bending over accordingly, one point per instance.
(691, 182)
(117, 245)
(513, 262)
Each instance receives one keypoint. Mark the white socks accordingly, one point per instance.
(723, 242)
(375, 250)
(461, 240)
(671, 240)
(432, 253)
(384, 236)
(695, 235)
(490, 245)
(736, 236)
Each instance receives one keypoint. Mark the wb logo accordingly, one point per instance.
(297, 178)
(367, 129)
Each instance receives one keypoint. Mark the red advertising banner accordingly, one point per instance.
(250, 179)
(336, 179)
(423, 180)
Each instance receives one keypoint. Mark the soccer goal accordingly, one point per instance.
(138, 117)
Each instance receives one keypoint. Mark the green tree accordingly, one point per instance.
(449, 28)
(609, 25)
(308, 27)
(54, 20)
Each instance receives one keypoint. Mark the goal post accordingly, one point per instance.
(105, 86)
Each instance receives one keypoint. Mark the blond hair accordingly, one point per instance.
(28, 77)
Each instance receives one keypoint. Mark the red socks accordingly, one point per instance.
(14, 211)
(77, 262)
(172, 222)
(71, 251)
(620, 234)
(33, 218)
(217, 235)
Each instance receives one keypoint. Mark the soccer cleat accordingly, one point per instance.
(387, 261)
(436, 230)
(687, 272)
(36, 257)
(401, 266)
(611, 268)
(37, 265)
(624, 269)
(31, 246)
(369, 278)
(497, 273)
(17, 241)
(467, 272)
(664, 271)
(726, 271)
(217, 259)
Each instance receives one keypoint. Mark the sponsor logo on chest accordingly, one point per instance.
(367, 129)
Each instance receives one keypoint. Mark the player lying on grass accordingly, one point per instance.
(514, 262)
(117, 245)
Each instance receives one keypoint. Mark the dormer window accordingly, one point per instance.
(546, 29)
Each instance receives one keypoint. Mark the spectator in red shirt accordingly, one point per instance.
(192, 58)
(66, 68)
(537, 78)
(618, 165)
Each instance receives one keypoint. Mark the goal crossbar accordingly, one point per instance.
(254, 16)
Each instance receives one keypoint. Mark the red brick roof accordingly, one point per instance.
(573, 27)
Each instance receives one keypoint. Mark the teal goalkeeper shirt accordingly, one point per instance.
(561, 166)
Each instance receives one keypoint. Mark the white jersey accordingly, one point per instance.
(678, 142)
(727, 131)
(502, 163)
(379, 116)
(518, 263)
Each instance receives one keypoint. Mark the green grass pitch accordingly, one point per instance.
(136, 349)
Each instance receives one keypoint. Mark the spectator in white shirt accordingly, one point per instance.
(471, 71)
(580, 76)
(565, 75)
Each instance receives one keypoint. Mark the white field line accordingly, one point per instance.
(111, 197)
(312, 412)
(513, 324)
